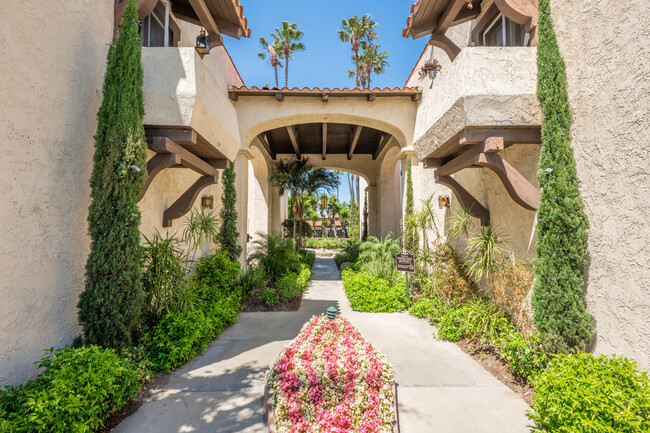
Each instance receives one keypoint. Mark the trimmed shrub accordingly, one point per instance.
(558, 297)
(77, 390)
(307, 257)
(411, 238)
(374, 295)
(180, 337)
(275, 255)
(328, 243)
(583, 393)
(218, 271)
(228, 236)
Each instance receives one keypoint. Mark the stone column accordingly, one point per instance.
(242, 162)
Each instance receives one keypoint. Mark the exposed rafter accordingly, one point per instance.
(295, 140)
(354, 139)
(449, 15)
(184, 137)
(202, 11)
(383, 141)
(188, 159)
(324, 151)
(265, 143)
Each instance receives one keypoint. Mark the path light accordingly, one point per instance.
(332, 312)
(202, 45)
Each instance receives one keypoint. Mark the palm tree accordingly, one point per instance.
(299, 177)
(334, 208)
(373, 60)
(271, 50)
(289, 36)
(355, 31)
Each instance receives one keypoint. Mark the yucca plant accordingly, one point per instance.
(200, 228)
(459, 224)
(377, 256)
(485, 252)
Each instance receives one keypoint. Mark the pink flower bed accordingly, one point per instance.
(331, 380)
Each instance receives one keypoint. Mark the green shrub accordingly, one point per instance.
(307, 257)
(583, 393)
(350, 253)
(371, 294)
(179, 337)
(275, 255)
(250, 280)
(524, 356)
(76, 391)
(271, 295)
(432, 309)
(218, 271)
(328, 243)
(228, 237)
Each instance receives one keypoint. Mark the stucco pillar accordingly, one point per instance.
(242, 162)
(278, 209)
(373, 211)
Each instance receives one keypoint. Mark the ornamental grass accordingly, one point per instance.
(331, 380)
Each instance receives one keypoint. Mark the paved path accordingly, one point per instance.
(440, 388)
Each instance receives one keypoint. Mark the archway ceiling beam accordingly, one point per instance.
(324, 140)
(295, 140)
(354, 139)
(265, 143)
(383, 141)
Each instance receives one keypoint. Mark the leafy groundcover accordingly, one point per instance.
(330, 379)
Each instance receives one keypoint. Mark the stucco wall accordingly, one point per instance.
(50, 90)
(609, 92)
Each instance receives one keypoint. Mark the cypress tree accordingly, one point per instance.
(364, 234)
(558, 299)
(228, 235)
(411, 239)
(110, 305)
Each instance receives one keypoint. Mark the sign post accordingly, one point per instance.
(405, 262)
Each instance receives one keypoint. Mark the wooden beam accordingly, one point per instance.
(424, 30)
(462, 161)
(522, 192)
(155, 165)
(432, 162)
(219, 164)
(229, 29)
(383, 141)
(446, 44)
(265, 143)
(234, 96)
(279, 96)
(449, 15)
(184, 137)
(293, 136)
(215, 40)
(188, 159)
(325, 97)
(206, 18)
(416, 97)
(324, 150)
(371, 97)
(354, 139)
(510, 136)
(469, 203)
(185, 202)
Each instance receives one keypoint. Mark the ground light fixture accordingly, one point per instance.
(332, 312)
(202, 45)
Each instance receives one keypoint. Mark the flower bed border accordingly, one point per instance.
(271, 423)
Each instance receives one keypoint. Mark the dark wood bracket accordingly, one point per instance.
(467, 200)
(157, 164)
(518, 187)
(184, 203)
(446, 44)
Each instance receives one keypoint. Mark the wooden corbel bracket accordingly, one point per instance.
(155, 165)
(185, 202)
(467, 200)
(446, 44)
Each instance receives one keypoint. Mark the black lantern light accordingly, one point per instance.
(202, 45)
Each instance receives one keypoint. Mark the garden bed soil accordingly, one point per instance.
(498, 368)
(253, 305)
(157, 381)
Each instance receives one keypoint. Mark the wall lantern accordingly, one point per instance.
(443, 201)
(207, 202)
(202, 45)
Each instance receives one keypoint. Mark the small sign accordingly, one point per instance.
(405, 261)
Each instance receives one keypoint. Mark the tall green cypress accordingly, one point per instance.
(411, 239)
(559, 296)
(364, 233)
(110, 305)
(228, 236)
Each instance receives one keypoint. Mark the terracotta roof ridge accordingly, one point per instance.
(327, 89)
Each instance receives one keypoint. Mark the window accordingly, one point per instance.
(503, 32)
(156, 31)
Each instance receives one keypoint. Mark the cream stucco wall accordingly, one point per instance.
(608, 74)
(52, 74)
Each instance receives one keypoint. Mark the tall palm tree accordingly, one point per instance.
(373, 60)
(290, 37)
(270, 50)
(355, 31)
(298, 177)
(334, 208)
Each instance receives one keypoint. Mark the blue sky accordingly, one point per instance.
(326, 61)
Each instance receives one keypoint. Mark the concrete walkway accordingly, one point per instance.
(440, 388)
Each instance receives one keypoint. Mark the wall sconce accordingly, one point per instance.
(207, 202)
(443, 201)
(202, 45)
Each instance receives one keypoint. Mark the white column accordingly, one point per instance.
(373, 211)
(241, 185)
